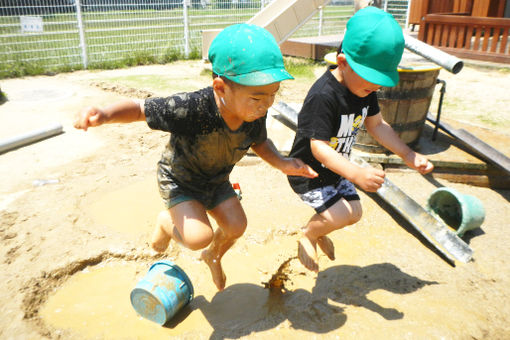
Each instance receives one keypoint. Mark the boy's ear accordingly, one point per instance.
(219, 86)
(341, 61)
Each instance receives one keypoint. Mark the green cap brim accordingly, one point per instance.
(382, 78)
(261, 78)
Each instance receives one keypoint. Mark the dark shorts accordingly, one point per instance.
(324, 197)
(173, 194)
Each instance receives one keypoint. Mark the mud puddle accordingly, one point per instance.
(95, 303)
(131, 210)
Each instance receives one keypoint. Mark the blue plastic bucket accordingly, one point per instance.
(459, 211)
(163, 291)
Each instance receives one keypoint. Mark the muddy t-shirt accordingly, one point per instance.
(331, 113)
(202, 149)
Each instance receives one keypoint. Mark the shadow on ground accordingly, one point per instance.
(242, 309)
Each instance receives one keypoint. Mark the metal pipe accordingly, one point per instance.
(81, 30)
(186, 27)
(443, 59)
(31, 137)
(439, 106)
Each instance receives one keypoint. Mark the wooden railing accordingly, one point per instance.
(468, 37)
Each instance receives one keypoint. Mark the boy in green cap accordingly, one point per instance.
(335, 107)
(211, 130)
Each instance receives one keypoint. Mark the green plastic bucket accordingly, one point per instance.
(163, 291)
(459, 211)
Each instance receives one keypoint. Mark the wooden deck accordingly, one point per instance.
(470, 37)
(312, 47)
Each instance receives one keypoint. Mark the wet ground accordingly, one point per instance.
(72, 251)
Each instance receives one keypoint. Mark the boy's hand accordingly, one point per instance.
(88, 117)
(296, 167)
(418, 162)
(369, 179)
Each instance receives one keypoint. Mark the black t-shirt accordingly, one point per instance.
(202, 149)
(330, 113)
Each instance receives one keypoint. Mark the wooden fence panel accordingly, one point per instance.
(466, 36)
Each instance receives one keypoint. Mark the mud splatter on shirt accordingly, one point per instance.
(202, 149)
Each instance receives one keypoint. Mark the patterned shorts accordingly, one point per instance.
(323, 198)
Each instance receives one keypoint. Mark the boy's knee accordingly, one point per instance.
(237, 231)
(197, 236)
(199, 242)
(164, 219)
(356, 213)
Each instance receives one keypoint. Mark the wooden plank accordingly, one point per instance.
(478, 34)
(453, 36)
(469, 36)
(501, 9)
(437, 35)
(494, 39)
(461, 37)
(445, 35)
(478, 55)
(486, 37)
(504, 41)
(462, 19)
(417, 11)
(430, 33)
(483, 38)
(481, 8)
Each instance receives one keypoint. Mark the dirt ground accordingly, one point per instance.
(72, 251)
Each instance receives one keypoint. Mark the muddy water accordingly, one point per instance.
(131, 210)
(95, 304)
(369, 290)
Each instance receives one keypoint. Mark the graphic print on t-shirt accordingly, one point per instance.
(346, 135)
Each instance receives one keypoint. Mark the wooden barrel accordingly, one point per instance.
(404, 106)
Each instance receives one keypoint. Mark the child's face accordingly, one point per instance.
(357, 85)
(250, 103)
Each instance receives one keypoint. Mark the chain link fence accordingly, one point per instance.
(41, 36)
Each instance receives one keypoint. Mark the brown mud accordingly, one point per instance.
(72, 251)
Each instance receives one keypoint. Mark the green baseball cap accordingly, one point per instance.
(248, 55)
(373, 45)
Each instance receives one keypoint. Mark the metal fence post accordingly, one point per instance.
(320, 20)
(81, 31)
(186, 27)
(407, 14)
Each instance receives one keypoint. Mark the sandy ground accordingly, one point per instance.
(72, 251)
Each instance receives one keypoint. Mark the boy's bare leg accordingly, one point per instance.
(307, 253)
(170, 225)
(232, 223)
(326, 246)
(339, 215)
(160, 238)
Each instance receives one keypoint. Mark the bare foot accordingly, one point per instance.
(218, 275)
(160, 239)
(327, 246)
(307, 254)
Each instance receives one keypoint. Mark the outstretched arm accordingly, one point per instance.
(384, 134)
(369, 179)
(288, 165)
(126, 111)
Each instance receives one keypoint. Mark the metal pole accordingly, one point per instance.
(320, 20)
(186, 28)
(386, 5)
(30, 137)
(407, 13)
(439, 106)
(447, 61)
(81, 31)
